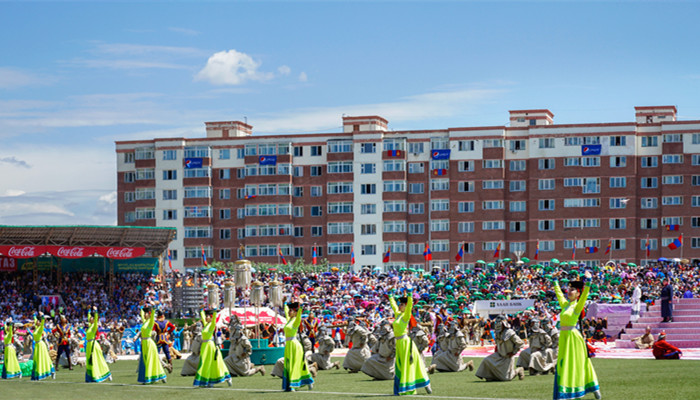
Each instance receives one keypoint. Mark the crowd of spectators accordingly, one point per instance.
(334, 296)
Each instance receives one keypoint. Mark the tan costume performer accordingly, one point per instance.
(359, 352)
(238, 359)
(499, 366)
(450, 358)
(322, 357)
(380, 365)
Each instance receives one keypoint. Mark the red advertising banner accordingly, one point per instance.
(22, 251)
(117, 253)
(121, 253)
(8, 264)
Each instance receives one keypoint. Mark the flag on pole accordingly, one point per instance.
(497, 253)
(204, 257)
(460, 253)
(387, 256)
(279, 252)
(673, 227)
(676, 243)
(591, 250)
(170, 260)
(314, 260)
(573, 252)
(427, 254)
(537, 250)
(648, 247)
(352, 255)
(607, 249)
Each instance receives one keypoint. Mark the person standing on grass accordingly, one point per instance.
(164, 330)
(212, 369)
(667, 301)
(96, 369)
(43, 368)
(296, 370)
(410, 372)
(10, 366)
(150, 367)
(574, 375)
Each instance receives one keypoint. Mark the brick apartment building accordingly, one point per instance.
(573, 189)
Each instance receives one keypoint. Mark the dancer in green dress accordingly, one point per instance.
(574, 374)
(212, 369)
(43, 367)
(96, 369)
(150, 368)
(296, 370)
(410, 370)
(10, 367)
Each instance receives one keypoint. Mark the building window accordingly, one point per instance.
(493, 225)
(545, 225)
(648, 223)
(368, 188)
(316, 170)
(546, 184)
(170, 194)
(340, 146)
(169, 214)
(416, 208)
(169, 155)
(316, 211)
(518, 186)
(465, 145)
(672, 179)
(492, 184)
(518, 226)
(672, 159)
(517, 206)
(224, 173)
(465, 186)
(416, 168)
(650, 141)
(416, 188)
(466, 206)
(316, 151)
(649, 183)
(488, 164)
(368, 148)
(546, 205)
(394, 226)
(618, 203)
(618, 182)
(368, 209)
(618, 140)
(618, 223)
(368, 168)
(546, 163)
(395, 206)
(517, 145)
(368, 249)
(546, 143)
(518, 165)
(316, 231)
(368, 229)
(492, 205)
(618, 161)
(298, 191)
(416, 229)
(465, 227)
(650, 162)
(672, 201)
(394, 186)
(415, 147)
(440, 184)
(225, 213)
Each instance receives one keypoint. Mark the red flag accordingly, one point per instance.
(497, 253)
(387, 256)
(279, 252)
(460, 253)
(537, 250)
(314, 260)
(204, 257)
(427, 254)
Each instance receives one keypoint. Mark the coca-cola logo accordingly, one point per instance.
(71, 252)
(126, 252)
(22, 252)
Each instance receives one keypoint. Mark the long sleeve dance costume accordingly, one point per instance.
(10, 367)
(409, 369)
(296, 371)
(150, 368)
(574, 375)
(212, 369)
(43, 367)
(96, 369)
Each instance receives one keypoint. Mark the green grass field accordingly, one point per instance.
(619, 379)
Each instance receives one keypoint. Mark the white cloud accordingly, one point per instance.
(303, 77)
(232, 68)
(185, 31)
(13, 192)
(14, 161)
(284, 70)
(441, 104)
(129, 49)
(82, 207)
(11, 78)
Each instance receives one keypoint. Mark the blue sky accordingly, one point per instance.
(75, 77)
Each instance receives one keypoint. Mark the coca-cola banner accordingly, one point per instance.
(8, 264)
(121, 253)
(71, 251)
(118, 253)
(22, 251)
